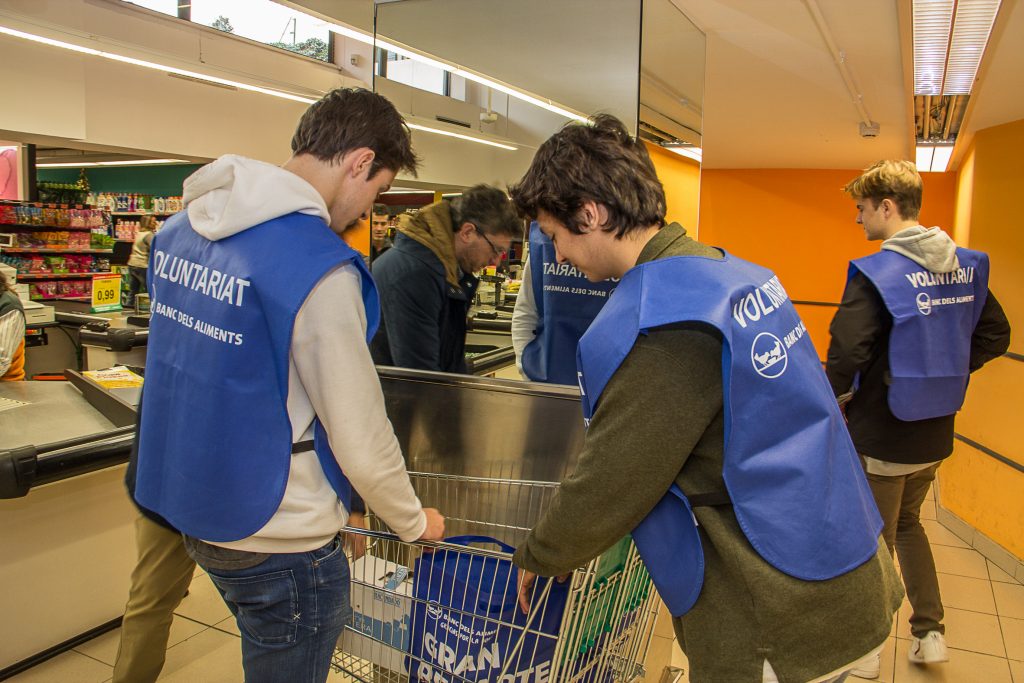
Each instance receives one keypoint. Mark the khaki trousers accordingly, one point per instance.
(899, 501)
(159, 581)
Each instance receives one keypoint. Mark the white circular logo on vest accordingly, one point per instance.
(924, 303)
(768, 355)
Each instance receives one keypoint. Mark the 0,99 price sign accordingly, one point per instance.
(106, 292)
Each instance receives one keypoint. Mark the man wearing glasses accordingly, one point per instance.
(426, 281)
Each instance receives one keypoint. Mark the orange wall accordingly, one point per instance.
(680, 177)
(977, 488)
(359, 237)
(801, 225)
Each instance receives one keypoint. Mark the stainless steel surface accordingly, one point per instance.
(56, 412)
(483, 427)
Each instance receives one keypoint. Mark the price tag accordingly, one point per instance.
(106, 292)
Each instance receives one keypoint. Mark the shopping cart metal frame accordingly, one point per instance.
(606, 625)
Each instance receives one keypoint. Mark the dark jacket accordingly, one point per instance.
(860, 343)
(423, 313)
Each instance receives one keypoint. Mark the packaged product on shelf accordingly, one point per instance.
(37, 264)
(74, 288)
(42, 290)
(29, 240)
(101, 264)
(8, 215)
(78, 240)
(56, 264)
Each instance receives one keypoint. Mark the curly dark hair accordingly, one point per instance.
(349, 118)
(489, 209)
(596, 161)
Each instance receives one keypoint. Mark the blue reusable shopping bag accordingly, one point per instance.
(466, 621)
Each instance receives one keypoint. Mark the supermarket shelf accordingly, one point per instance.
(142, 213)
(24, 226)
(21, 250)
(68, 298)
(60, 276)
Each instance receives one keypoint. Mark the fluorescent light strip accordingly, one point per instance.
(695, 153)
(457, 70)
(971, 30)
(932, 21)
(213, 79)
(126, 162)
(460, 136)
(152, 65)
(933, 158)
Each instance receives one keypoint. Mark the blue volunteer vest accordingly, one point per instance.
(566, 305)
(215, 441)
(791, 470)
(933, 319)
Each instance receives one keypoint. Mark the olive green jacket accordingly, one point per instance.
(661, 420)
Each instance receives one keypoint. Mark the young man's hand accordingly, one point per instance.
(435, 525)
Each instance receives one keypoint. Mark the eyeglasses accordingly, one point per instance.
(499, 253)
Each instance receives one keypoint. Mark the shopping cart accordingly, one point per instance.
(593, 628)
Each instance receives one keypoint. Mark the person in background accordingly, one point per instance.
(706, 403)
(555, 306)
(12, 333)
(379, 240)
(261, 315)
(426, 280)
(138, 262)
(915, 320)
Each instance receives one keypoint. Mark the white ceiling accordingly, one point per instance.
(773, 96)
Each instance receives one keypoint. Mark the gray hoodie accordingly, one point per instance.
(928, 247)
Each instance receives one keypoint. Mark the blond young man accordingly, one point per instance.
(915, 320)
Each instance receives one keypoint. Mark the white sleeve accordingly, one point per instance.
(333, 361)
(524, 317)
(12, 332)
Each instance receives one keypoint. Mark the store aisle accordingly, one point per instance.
(984, 631)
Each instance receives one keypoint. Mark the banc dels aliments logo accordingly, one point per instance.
(924, 303)
(434, 610)
(768, 354)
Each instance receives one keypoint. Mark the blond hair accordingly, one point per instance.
(895, 180)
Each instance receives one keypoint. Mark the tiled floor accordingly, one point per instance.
(984, 622)
(984, 631)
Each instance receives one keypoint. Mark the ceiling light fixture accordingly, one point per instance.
(949, 40)
(193, 75)
(125, 162)
(460, 136)
(689, 151)
(933, 158)
(152, 65)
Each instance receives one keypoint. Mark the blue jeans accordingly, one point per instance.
(290, 609)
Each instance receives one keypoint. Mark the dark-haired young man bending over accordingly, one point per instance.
(702, 392)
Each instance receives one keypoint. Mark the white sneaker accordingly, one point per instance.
(928, 650)
(868, 668)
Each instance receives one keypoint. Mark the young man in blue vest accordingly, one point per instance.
(555, 306)
(706, 402)
(915, 320)
(261, 402)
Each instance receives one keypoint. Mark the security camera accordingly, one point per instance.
(870, 129)
(488, 117)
